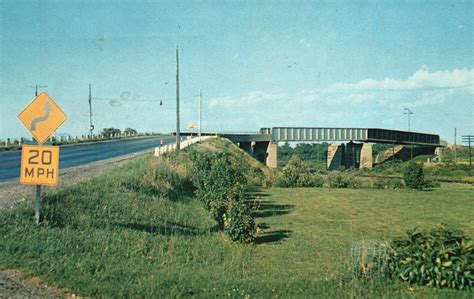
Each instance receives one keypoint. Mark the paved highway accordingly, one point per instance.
(74, 155)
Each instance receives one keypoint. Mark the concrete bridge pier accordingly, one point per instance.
(335, 156)
(350, 155)
(272, 155)
(263, 151)
(438, 152)
(366, 158)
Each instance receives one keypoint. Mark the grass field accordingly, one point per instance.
(104, 239)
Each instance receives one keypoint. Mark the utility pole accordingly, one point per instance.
(455, 158)
(36, 86)
(91, 127)
(468, 139)
(200, 112)
(178, 138)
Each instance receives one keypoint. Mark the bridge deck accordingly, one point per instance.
(319, 134)
(302, 134)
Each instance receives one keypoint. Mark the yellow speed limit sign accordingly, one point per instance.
(39, 165)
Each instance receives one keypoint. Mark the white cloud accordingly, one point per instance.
(250, 99)
(421, 79)
(368, 103)
(220, 101)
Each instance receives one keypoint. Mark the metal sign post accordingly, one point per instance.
(40, 163)
(37, 203)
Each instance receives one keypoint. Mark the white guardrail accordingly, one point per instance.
(83, 138)
(183, 144)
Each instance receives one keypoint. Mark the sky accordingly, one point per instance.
(259, 64)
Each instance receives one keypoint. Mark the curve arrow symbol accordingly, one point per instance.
(47, 109)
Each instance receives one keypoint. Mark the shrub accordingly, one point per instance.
(220, 182)
(318, 181)
(431, 183)
(413, 176)
(217, 180)
(339, 179)
(293, 170)
(281, 181)
(239, 225)
(296, 174)
(387, 183)
(442, 257)
(305, 179)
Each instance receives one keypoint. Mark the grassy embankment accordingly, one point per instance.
(108, 238)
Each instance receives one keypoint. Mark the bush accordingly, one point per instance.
(387, 183)
(305, 179)
(239, 225)
(220, 183)
(413, 176)
(296, 174)
(217, 180)
(293, 170)
(431, 183)
(339, 179)
(442, 257)
(281, 181)
(318, 181)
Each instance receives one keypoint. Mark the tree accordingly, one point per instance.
(130, 131)
(108, 132)
(414, 177)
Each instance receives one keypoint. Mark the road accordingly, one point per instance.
(78, 154)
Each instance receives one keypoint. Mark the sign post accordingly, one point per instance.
(191, 126)
(40, 163)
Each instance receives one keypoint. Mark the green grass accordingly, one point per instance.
(103, 239)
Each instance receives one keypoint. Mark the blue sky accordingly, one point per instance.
(259, 63)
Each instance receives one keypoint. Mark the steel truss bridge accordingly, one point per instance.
(318, 134)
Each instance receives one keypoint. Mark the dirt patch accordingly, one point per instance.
(14, 285)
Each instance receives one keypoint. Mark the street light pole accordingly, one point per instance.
(408, 113)
(200, 112)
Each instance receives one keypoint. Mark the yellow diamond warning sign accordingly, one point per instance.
(42, 117)
(39, 165)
